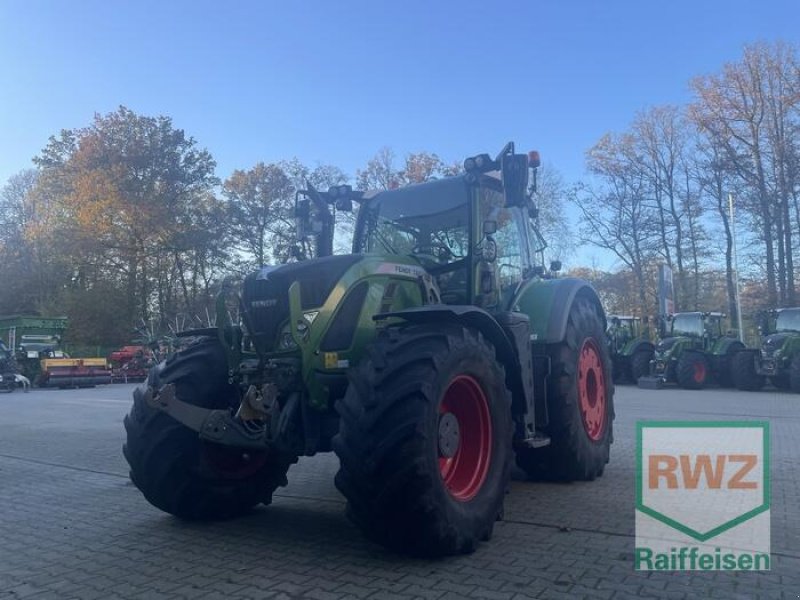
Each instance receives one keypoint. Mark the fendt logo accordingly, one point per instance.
(702, 496)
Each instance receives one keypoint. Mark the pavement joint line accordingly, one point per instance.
(121, 476)
(62, 466)
(613, 533)
(716, 414)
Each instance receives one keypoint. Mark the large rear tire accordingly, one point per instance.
(176, 470)
(692, 370)
(424, 440)
(580, 397)
(743, 369)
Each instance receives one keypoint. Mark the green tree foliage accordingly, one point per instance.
(261, 203)
(130, 206)
(660, 190)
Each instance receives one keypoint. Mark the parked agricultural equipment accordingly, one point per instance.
(8, 369)
(130, 364)
(778, 358)
(37, 345)
(694, 352)
(427, 359)
(630, 347)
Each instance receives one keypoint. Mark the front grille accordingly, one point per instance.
(266, 293)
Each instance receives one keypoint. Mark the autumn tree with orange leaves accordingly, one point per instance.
(132, 206)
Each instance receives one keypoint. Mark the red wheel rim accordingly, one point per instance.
(592, 390)
(232, 463)
(699, 372)
(465, 471)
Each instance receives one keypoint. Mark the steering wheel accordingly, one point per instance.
(438, 253)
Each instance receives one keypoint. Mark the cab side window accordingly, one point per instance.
(512, 250)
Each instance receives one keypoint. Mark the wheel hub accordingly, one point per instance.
(464, 438)
(592, 390)
(449, 435)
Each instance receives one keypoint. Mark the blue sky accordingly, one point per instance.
(334, 81)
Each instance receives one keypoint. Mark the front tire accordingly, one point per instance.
(425, 440)
(744, 371)
(794, 374)
(580, 398)
(692, 370)
(640, 364)
(176, 470)
(724, 374)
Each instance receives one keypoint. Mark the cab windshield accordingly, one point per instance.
(430, 222)
(688, 324)
(788, 320)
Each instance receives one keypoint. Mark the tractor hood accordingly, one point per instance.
(318, 288)
(265, 295)
(775, 342)
(666, 345)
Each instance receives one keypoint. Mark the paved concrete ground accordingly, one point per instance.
(72, 525)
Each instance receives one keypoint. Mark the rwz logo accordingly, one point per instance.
(703, 495)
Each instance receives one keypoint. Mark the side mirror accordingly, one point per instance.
(555, 265)
(489, 227)
(488, 250)
(514, 169)
(302, 214)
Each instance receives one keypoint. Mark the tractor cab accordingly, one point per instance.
(702, 328)
(475, 234)
(621, 330)
(788, 320)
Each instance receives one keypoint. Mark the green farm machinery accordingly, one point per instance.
(630, 347)
(428, 360)
(778, 359)
(694, 352)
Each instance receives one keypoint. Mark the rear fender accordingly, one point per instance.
(548, 301)
(635, 346)
(723, 345)
(474, 318)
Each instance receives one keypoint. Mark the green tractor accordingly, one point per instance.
(630, 347)
(778, 358)
(429, 359)
(694, 352)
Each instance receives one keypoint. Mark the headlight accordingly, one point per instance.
(286, 341)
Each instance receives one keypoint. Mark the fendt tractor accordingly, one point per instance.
(631, 349)
(427, 359)
(694, 352)
(778, 358)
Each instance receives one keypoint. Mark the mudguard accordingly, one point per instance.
(472, 316)
(722, 345)
(547, 302)
(635, 345)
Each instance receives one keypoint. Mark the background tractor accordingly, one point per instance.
(693, 352)
(630, 347)
(778, 358)
(429, 359)
(36, 342)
